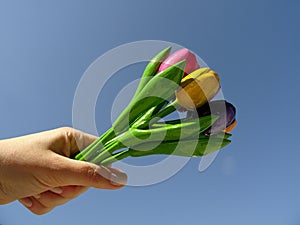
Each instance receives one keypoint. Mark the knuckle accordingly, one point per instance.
(66, 129)
(90, 173)
(74, 137)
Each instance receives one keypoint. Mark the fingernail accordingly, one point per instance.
(103, 171)
(118, 179)
(57, 190)
(26, 201)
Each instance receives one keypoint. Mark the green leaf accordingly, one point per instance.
(188, 148)
(172, 132)
(151, 69)
(158, 89)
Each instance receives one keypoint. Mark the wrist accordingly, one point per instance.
(3, 196)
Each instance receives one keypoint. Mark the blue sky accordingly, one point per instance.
(45, 47)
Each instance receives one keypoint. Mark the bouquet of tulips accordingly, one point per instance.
(168, 83)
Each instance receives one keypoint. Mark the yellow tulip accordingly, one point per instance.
(198, 88)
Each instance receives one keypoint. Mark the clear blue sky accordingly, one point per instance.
(45, 47)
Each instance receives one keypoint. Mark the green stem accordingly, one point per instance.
(106, 151)
(89, 151)
(167, 110)
(161, 114)
(118, 156)
(97, 150)
(143, 118)
(98, 153)
(80, 155)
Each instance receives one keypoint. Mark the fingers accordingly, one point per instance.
(46, 201)
(73, 172)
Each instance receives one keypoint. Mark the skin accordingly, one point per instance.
(36, 170)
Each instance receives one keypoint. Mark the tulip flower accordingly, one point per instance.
(198, 88)
(138, 130)
(179, 55)
(226, 112)
(195, 90)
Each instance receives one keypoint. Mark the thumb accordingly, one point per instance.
(73, 172)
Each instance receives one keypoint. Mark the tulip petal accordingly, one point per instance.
(198, 88)
(179, 55)
(225, 110)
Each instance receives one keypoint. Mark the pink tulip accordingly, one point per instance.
(179, 55)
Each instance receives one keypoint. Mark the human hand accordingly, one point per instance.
(37, 171)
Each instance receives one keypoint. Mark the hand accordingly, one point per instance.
(37, 171)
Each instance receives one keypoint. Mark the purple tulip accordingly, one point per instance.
(225, 110)
(179, 55)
